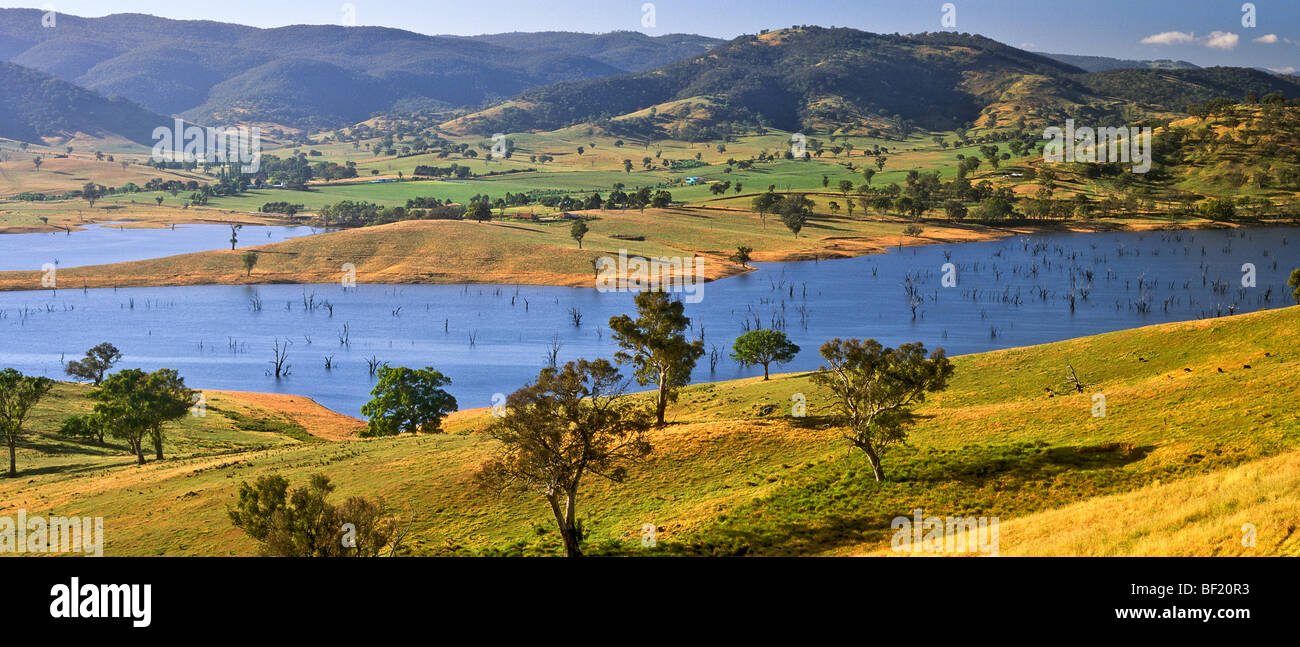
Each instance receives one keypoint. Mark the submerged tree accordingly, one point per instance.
(874, 390)
(573, 421)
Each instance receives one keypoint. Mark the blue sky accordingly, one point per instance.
(1205, 32)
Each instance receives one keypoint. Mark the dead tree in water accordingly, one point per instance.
(280, 361)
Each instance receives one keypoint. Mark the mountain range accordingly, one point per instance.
(127, 73)
(312, 76)
(820, 79)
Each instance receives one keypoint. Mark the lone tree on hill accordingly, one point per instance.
(578, 231)
(874, 390)
(763, 347)
(480, 211)
(655, 343)
(249, 260)
(18, 394)
(98, 361)
(573, 421)
(742, 255)
(407, 400)
(794, 211)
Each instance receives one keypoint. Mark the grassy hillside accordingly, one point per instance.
(528, 252)
(735, 474)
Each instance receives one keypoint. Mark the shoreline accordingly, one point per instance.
(392, 268)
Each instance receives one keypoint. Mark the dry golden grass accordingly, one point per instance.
(1204, 516)
(520, 252)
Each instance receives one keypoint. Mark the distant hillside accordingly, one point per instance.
(35, 105)
(1103, 63)
(1175, 90)
(629, 51)
(802, 77)
(311, 76)
(820, 79)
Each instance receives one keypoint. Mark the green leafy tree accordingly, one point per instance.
(479, 211)
(1294, 282)
(875, 389)
(763, 347)
(742, 255)
(134, 406)
(578, 231)
(98, 361)
(303, 523)
(763, 204)
(655, 344)
(571, 422)
(167, 399)
(794, 211)
(84, 426)
(249, 260)
(18, 394)
(407, 400)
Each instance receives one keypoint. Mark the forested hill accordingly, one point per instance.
(310, 76)
(814, 78)
(34, 105)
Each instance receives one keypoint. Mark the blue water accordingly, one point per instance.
(1012, 292)
(112, 243)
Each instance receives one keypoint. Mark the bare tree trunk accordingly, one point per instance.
(565, 524)
(765, 378)
(874, 459)
(13, 465)
(662, 405)
(139, 451)
(157, 446)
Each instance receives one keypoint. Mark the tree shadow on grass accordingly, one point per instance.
(914, 475)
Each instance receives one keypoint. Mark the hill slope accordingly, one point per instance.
(629, 51)
(35, 105)
(1102, 63)
(814, 79)
(310, 75)
(735, 473)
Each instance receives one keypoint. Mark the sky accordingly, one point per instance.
(1204, 32)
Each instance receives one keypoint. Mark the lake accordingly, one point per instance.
(106, 243)
(493, 339)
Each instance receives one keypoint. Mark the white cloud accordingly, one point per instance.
(1168, 38)
(1267, 39)
(1283, 70)
(1222, 40)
